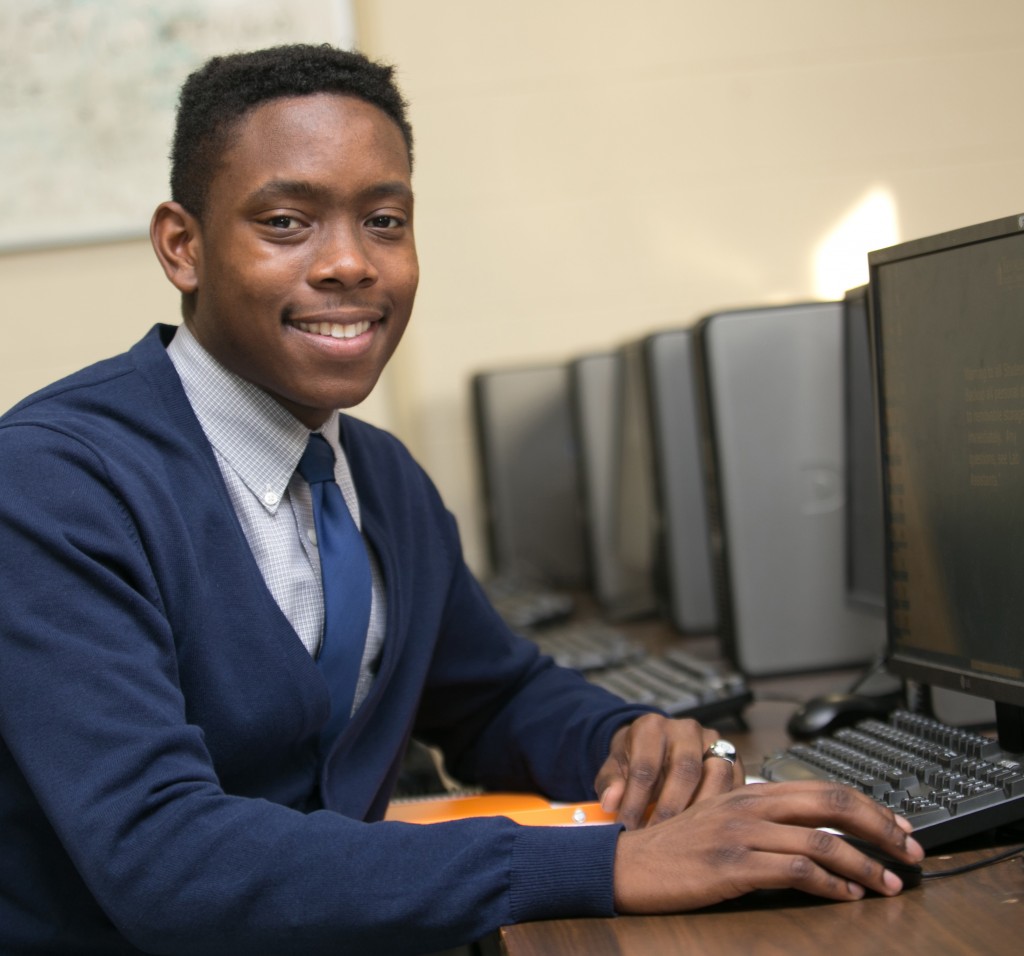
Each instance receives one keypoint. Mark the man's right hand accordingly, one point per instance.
(761, 836)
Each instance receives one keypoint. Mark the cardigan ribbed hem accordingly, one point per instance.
(563, 871)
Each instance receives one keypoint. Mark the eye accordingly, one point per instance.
(385, 221)
(282, 222)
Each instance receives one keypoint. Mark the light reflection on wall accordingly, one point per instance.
(841, 259)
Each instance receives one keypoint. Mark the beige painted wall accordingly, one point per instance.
(588, 171)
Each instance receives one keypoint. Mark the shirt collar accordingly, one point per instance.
(260, 439)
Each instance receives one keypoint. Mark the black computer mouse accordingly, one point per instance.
(829, 712)
(910, 873)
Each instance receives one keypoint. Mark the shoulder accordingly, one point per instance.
(127, 412)
(123, 381)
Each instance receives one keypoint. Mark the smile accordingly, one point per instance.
(334, 329)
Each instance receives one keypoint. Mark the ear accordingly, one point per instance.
(176, 239)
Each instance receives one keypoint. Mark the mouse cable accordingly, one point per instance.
(976, 865)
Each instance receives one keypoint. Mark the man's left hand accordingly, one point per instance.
(656, 768)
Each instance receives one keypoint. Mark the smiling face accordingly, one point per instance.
(304, 266)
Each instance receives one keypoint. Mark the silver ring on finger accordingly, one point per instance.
(722, 749)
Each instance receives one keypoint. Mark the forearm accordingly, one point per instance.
(507, 717)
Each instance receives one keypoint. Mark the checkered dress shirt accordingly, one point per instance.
(258, 444)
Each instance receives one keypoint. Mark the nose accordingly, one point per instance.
(341, 258)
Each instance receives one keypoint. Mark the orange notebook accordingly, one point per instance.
(525, 808)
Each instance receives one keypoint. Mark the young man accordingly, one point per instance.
(165, 785)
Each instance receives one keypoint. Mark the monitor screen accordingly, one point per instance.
(948, 325)
(529, 474)
(865, 549)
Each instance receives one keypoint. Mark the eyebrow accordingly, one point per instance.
(278, 189)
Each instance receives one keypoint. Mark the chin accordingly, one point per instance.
(353, 396)
(317, 409)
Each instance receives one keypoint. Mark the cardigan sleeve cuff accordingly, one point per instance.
(563, 872)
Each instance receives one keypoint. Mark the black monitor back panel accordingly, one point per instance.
(772, 388)
(529, 469)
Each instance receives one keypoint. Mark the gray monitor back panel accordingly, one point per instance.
(687, 576)
(528, 462)
(634, 505)
(773, 388)
(595, 381)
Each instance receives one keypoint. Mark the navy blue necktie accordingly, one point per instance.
(345, 572)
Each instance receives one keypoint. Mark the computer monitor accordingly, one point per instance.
(865, 548)
(948, 326)
(683, 525)
(528, 464)
(639, 436)
(594, 383)
(865, 542)
(772, 386)
(634, 537)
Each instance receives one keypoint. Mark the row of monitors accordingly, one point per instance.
(723, 475)
(846, 475)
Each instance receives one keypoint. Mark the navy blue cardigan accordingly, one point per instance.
(159, 716)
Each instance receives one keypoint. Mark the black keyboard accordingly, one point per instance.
(677, 682)
(949, 782)
(522, 604)
(586, 645)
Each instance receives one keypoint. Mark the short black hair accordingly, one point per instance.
(217, 95)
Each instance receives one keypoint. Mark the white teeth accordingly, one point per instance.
(334, 329)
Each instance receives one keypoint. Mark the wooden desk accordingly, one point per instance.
(977, 912)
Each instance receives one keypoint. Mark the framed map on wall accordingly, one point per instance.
(87, 96)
